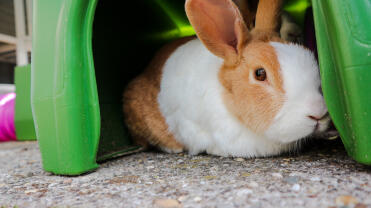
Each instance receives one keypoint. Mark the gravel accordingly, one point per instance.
(320, 176)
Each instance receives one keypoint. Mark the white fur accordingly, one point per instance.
(190, 99)
(303, 98)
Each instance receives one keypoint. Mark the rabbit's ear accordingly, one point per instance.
(268, 15)
(219, 25)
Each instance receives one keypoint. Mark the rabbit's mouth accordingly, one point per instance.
(325, 129)
(323, 124)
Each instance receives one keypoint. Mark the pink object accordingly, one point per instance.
(7, 128)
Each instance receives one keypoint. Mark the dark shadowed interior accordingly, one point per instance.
(124, 41)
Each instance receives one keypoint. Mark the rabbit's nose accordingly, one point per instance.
(318, 118)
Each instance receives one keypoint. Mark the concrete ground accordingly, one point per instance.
(320, 176)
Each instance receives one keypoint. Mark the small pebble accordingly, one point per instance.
(291, 179)
(160, 181)
(315, 178)
(346, 200)
(182, 198)
(167, 203)
(197, 199)
(245, 174)
(239, 159)
(31, 191)
(277, 175)
(294, 174)
(210, 177)
(295, 187)
(244, 192)
(253, 184)
(68, 181)
(359, 205)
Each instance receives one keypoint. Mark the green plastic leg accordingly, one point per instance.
(343, 34)
(63, 91)
(74, 126)
(24, 123)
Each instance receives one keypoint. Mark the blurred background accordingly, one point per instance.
(15, 39)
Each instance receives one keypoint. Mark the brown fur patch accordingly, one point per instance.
(268, 15)
(142, 115)
(254, 102)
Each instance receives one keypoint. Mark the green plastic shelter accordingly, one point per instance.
(86, 51)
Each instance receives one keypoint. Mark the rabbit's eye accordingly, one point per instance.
(260, 74)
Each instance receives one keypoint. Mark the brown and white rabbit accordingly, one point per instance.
(231, 92)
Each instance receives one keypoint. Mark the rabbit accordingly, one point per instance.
(231, 91)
